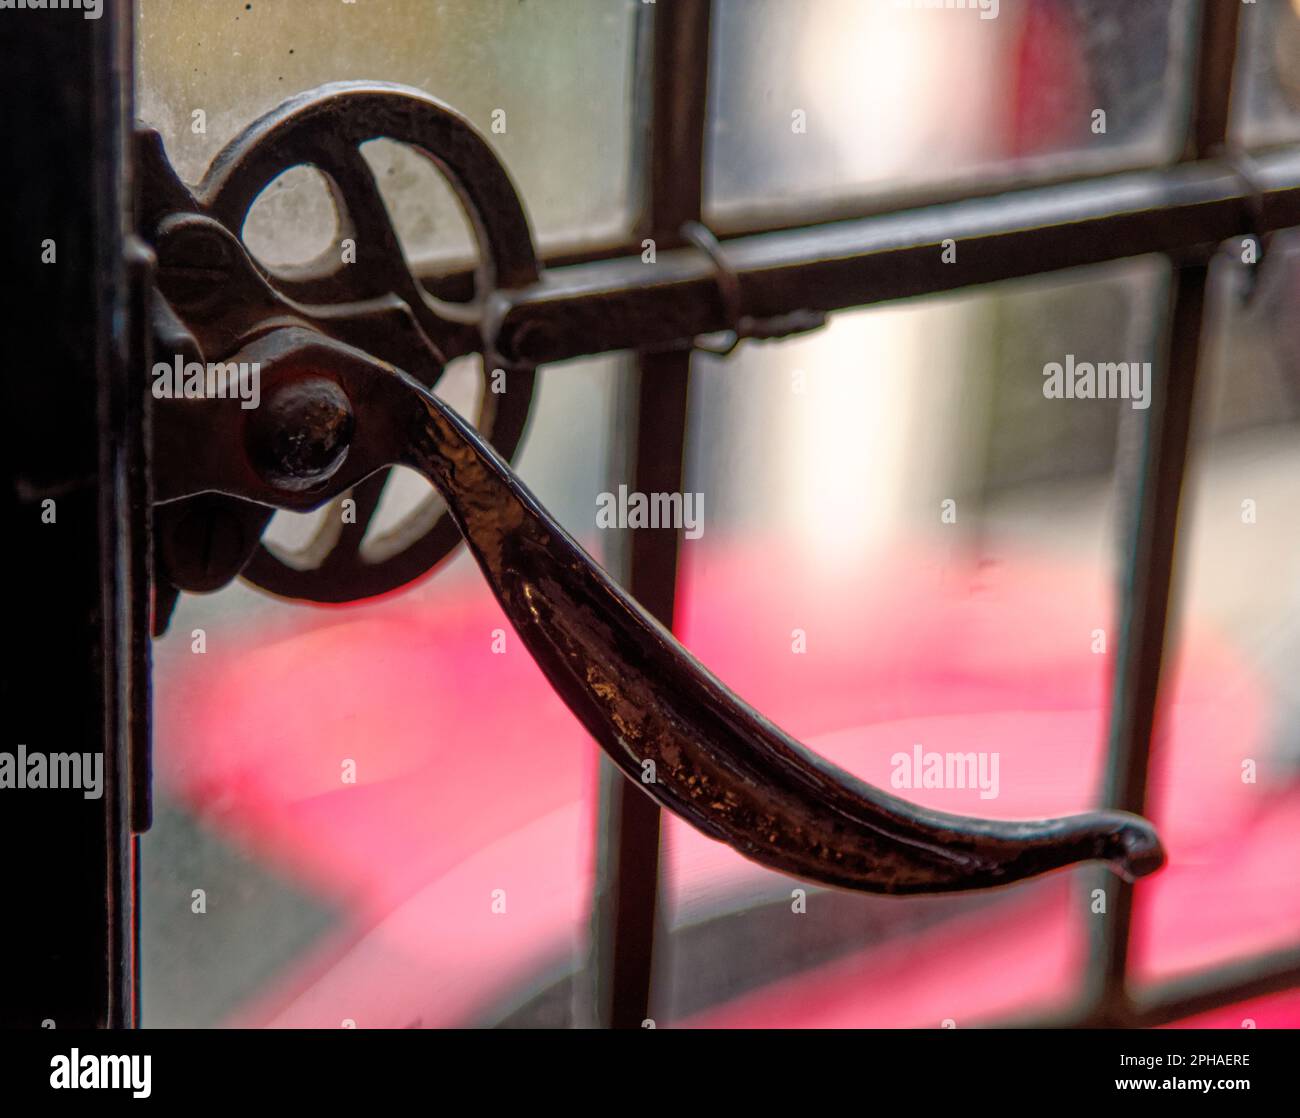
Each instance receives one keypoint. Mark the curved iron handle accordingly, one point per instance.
(718, 763)
(331, 415)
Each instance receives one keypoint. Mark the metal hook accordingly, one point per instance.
(740, 325)
(1247, 171)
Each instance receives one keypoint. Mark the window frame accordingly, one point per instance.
(606, 300)
(587, 303)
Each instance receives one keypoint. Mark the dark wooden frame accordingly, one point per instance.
(76, 646)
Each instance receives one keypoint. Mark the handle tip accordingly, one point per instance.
(1137, 848)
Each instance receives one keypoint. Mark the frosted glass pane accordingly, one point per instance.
(561, 72)
(1231, 892)
(1267, 97)
(819, 101)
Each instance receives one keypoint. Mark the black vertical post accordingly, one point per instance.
(628, 879)
(74, 516)
(1149, 559)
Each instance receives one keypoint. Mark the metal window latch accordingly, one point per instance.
(346, 357)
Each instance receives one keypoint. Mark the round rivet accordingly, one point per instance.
(300, 435)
